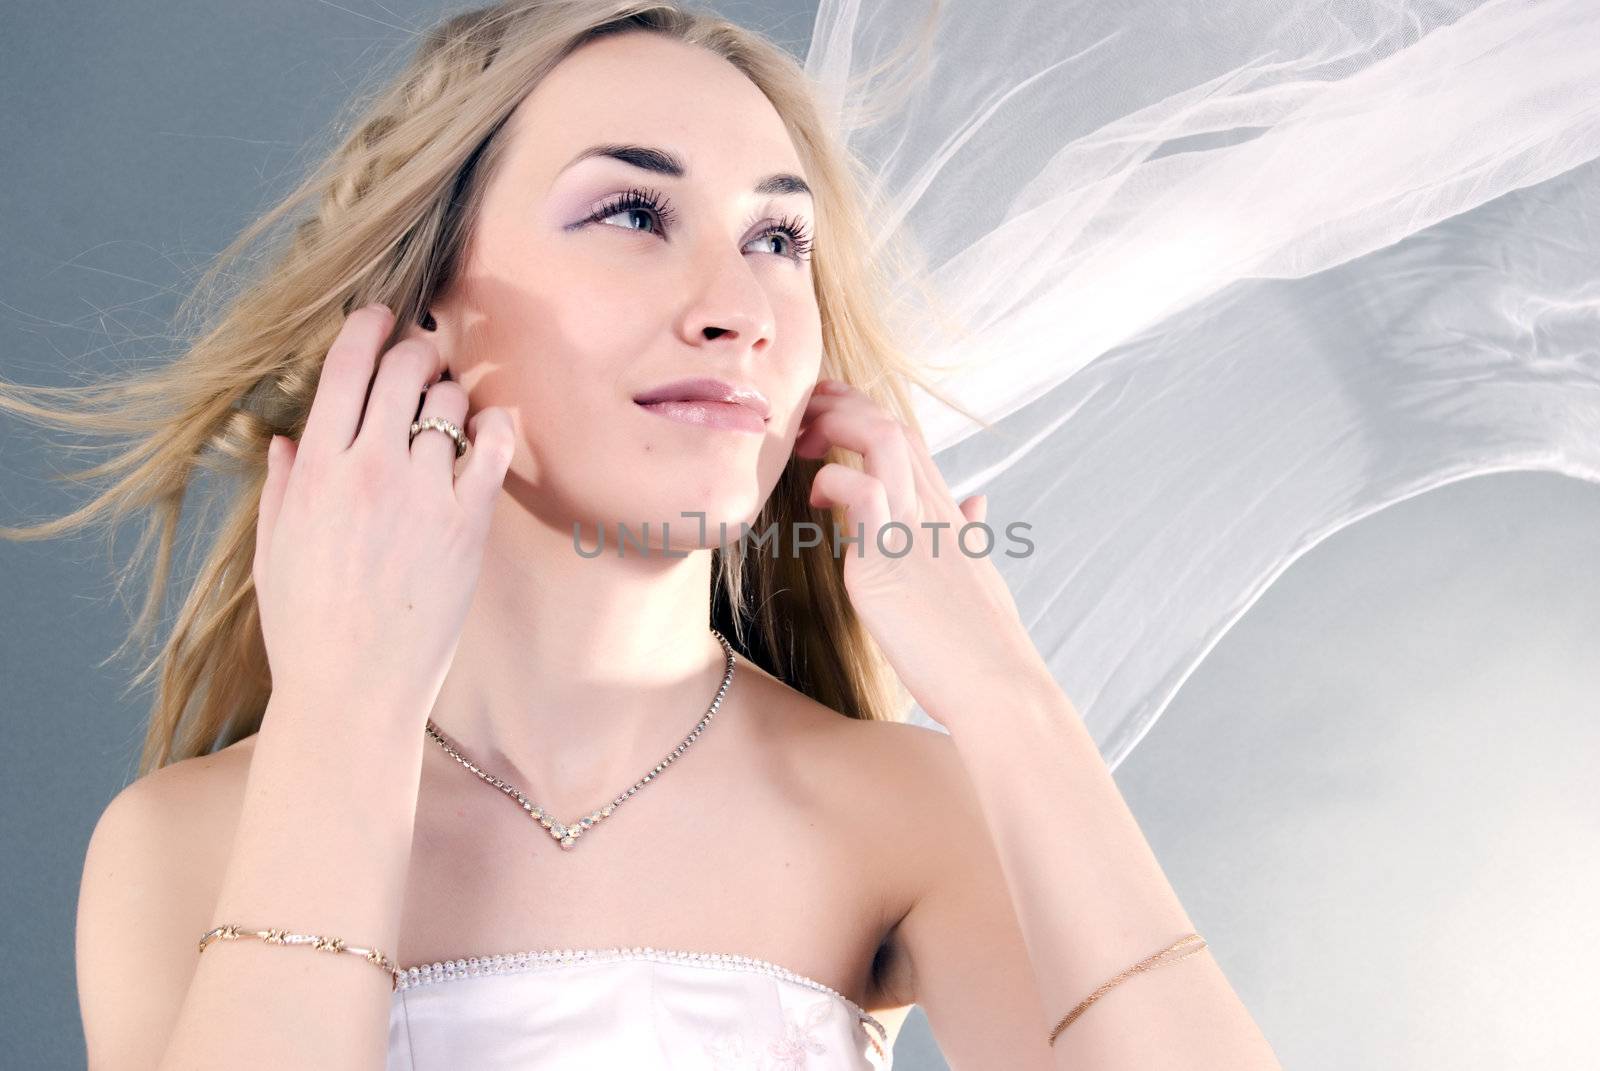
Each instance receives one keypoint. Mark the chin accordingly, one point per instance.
(667, 500)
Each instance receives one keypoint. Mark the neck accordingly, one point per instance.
(573, 676)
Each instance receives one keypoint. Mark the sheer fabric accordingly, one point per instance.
(1230, 276)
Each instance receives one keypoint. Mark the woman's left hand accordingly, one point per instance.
(942, 614)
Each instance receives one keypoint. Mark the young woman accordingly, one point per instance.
(641, 809)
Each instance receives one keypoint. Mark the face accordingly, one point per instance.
(593, 281)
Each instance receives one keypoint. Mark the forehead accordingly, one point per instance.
(646, 88)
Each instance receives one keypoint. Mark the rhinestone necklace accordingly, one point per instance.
(567, 833)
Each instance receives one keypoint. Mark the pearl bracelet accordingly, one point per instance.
(322, 944)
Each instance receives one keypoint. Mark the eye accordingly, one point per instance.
(792, 231)
(647, 210)
(636, 205)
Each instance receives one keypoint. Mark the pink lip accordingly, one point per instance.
(729, 415)
(712, 391)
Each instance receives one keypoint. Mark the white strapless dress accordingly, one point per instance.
(606, 1009)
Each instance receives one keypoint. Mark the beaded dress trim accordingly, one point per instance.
(511, 962)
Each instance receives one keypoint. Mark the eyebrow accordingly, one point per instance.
(662, 162)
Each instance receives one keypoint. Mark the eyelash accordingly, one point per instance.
(638, 199)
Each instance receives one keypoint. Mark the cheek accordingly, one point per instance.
(799, 321)
(800, 363)
(558, 345)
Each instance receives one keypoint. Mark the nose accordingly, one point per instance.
(728, 305)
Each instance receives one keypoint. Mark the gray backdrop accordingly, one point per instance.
(1371, 796)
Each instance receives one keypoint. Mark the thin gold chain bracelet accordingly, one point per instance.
(1143, 965)
(321, 944)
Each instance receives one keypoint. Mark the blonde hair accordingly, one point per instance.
(394, 206)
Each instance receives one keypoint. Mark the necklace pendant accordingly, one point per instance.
(567, 835)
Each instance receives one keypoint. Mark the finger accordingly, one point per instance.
(435, 451)
(493, 443)
(823, 397)
(342, 385)
(832, 394)
(826, 395)
(806, 443)
(932, 491)
(857, 423)
(403, 374)
(975, 508)
(280, 460)
(862, 497)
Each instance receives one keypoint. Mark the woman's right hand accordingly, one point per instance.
(368, 547)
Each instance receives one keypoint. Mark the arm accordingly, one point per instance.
(322, 846)
(149, 882)
(958, 952)
(1090, 898)
(1088, 895)
(323, 840)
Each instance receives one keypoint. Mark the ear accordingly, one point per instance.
(429, 328)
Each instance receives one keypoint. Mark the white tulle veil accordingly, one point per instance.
(1233, 274)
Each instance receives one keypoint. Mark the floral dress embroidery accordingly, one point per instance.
(729, 1052)
(787, 1052)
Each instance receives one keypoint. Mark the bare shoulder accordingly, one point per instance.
(901, 763)
(150, 877)
(903, 790)
(208, 779)
(956, 947)
(185, 805)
